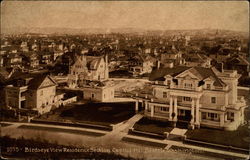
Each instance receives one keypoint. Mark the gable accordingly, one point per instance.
(188, 75)
(47, 82)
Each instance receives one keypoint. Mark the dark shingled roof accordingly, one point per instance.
(159, 73)
(34, 79)
(202, 72)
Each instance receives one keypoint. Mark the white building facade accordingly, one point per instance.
(196, 95)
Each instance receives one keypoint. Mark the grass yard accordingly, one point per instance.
(152, 126)
(100, 113)
(238, 138)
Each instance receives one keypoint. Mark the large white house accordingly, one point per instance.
(196, 95)
(33, 92)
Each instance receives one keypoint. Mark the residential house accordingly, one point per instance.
(238, 63)
(45, 57)
(90, 74)
(140, 64)
(35, 92)
(98, 91)
(197, 96)
(171, 56)
(94, 68)
(196, 59)
(13, 60)
(30, 60)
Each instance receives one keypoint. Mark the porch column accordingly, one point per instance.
(192, 111)
(136, 105)
(146, 105)
(197, 117)
(175, 108)
(152, 110)
(170, 107)
(225, 116)
(222, 120)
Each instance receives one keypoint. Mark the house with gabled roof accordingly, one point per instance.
(30, 60)
(36, 92)
(140, 64)
(90, 74)
(197, 59)
(93, 68)
(238, 63)
(196, 96)
(12, 60)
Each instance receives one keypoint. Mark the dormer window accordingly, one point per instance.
(188, 85)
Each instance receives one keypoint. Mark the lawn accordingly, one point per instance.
(152, 126)
(99, 113)
(236, 138)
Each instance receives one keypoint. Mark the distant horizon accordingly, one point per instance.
(101, 30)
(148, 15)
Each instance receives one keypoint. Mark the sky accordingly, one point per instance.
(164, 15)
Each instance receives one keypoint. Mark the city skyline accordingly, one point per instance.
(161, 15)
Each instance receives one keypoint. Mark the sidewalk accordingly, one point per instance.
(169, 143)
(112, 140)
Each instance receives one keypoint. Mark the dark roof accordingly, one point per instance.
(159, 73)
(34, 80)
(201, 72)
(239, 60)
(93, 62)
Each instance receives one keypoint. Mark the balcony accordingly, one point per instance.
(184, 104)
(161, 115)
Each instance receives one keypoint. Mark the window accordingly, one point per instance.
(164, 95)
(164, 109)
(168, 82)
(208, 86)
(204, 115)
(41, 93)
(92, 95)
(232, 114)
(213, 99)
(187, 99)
(188, 85)
(212, 116)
